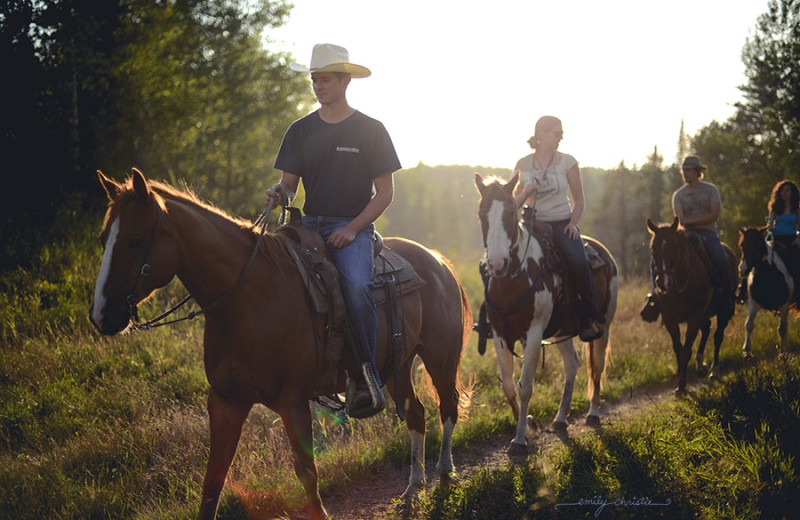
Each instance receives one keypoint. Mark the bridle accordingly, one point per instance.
(530, 293)
(672, 270)
(144, 272)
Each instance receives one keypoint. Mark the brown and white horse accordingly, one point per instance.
(525, 302)
(262, 343)
(770, 284)
(685, 294)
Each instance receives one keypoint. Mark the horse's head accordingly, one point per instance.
(499, 221)
(138, 255)
(666, 250)
(754, 247)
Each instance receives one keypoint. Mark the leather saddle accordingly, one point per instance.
(393, 277)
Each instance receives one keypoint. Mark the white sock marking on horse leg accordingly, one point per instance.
(571, 362)
(445, 465)
(102, 277)
(417, 478)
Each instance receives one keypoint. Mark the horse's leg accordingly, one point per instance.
(505, 360)
(675, 334)
(415, 422)
(444, 376)
(783, 328)
(699, 358)
(531, 351)
(749, 324)
(297, 422)
(692, 328)
(719, 336)
(571, 362)
(596, 355)
(226, 419)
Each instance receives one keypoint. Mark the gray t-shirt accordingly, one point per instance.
(695, 202)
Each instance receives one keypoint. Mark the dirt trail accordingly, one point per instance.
(370, 500)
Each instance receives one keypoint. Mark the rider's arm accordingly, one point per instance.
(286, 188)
(384, 193)
(578, 201)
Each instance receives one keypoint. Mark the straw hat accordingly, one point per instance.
(327, 57)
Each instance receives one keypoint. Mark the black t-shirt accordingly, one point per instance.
(337, 162)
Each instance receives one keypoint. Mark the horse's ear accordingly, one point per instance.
(479, 183)
(652, 226)
(111, 187)
(512, 183)
(674, 225)
(140, 184)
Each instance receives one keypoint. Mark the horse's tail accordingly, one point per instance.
(594, 368)
(463, 390)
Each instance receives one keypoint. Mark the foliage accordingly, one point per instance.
(184, 90)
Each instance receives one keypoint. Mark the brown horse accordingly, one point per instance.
(262, 342)
(770, 283)
(684, 293)
(526, 301)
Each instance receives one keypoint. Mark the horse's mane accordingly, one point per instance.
(275, 252)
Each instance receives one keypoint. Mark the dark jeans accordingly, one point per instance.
(574, 255)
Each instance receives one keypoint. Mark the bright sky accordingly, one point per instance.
(463, 82)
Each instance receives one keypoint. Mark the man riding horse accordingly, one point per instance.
(341, 155)
(697, 205)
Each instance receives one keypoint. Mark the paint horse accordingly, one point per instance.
(771, 284)
(684, 293)
(527, 301)
(263, 342)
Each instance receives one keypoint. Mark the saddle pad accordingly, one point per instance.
(595, 260)
(390, 265)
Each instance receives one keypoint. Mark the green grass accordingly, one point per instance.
(95, 427)
(728, 451)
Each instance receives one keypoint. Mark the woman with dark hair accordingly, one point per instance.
(783, 214)
(550, 191)
(784, 224)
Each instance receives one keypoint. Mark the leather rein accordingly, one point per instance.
(143, 273)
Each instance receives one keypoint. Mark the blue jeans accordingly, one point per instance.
(716, 252)
(355, 263)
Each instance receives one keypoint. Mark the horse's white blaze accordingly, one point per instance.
(498, 242)
(105, 268)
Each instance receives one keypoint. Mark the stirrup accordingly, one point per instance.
(360, 408)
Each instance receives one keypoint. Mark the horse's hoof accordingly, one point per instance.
(702, 369)
(532, 424)
(517, 450)
(680, 392)
(748, 357)
(559, 426)
(593, 421)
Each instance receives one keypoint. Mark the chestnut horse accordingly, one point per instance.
(262, 341)
(770, 284)
(684, 293)
(526, 302)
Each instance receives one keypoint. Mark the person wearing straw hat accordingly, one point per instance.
(346, 160)
(697, 205)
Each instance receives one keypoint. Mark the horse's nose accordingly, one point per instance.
(498, 266)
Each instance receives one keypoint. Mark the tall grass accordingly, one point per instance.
(95, 427)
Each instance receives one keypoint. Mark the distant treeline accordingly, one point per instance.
(187, 92)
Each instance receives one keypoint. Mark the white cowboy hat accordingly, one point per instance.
(327, 57)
